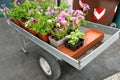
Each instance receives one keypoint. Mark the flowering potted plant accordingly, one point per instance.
(58, 35)
(60, 31)
(67, 21)
(74, 40)
(44, 27)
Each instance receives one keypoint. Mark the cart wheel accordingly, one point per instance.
(113, 25)
(49, 66)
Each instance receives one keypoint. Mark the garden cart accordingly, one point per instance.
(48, 61)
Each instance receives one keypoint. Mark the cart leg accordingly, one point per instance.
(21, 39)
(49, 65)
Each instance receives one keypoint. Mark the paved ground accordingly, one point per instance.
(14, 65)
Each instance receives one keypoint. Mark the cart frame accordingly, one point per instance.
(111, 35)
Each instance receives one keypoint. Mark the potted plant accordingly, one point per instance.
(19, 13)
(30, 26)
(58, 35)
(67, 21)
(74, 40)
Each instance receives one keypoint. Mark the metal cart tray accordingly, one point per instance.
(111, 35)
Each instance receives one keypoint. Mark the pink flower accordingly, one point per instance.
(18, 2)
(59, 19)
(78, 12)
(73, 18)
(63, 13)
(38, 7)
(77, 21)
(82, 17)
(48, 9)
(27, 0)
(5, 9)
(64, 22)
(32, 20)
(86, 7)
(30, 12)
(71, 12)
(48, 13)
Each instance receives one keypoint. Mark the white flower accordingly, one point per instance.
(41, 10)
(58, 24)
(55, 7)
(49, 21)
(38, 12)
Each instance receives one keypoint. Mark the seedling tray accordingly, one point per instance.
(92, 37)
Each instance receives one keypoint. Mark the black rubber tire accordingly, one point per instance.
(114, 25)
(55, 67)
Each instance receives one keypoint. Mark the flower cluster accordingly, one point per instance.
(44, 17)
(4, 8)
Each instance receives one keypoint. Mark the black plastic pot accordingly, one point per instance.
(76, 46)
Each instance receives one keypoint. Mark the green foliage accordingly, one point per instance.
(43, 26)
(21, 11)
(83, 22)
(74, 37)
(63, 5)
(59, 33)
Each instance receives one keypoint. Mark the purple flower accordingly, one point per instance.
(3, 5)
(86, 7)
(32, 20)
(5, 9)
(48, 13)
(53, 12)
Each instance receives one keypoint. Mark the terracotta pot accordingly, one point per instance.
(44, 37)
(31, 31)
(15, 21)
(56, 43)
(22, 24)
(92, 37)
